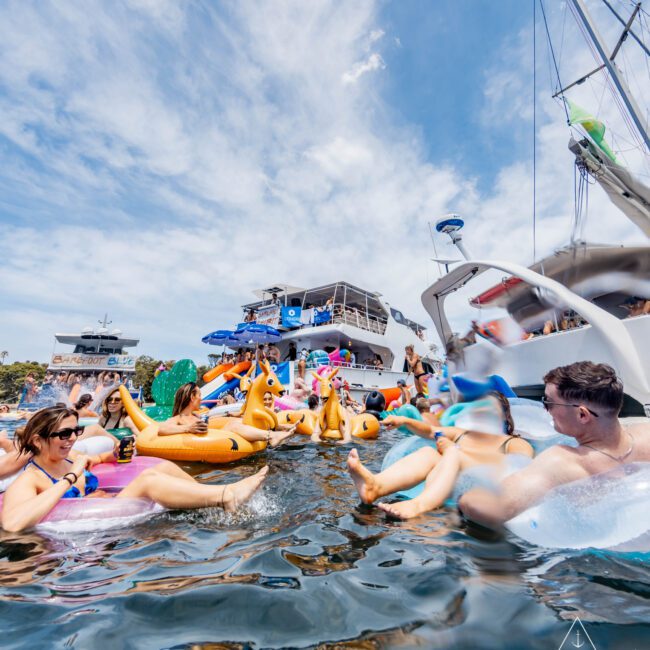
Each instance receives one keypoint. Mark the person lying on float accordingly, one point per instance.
(437, 464)
(584, 400)
(184, 419)
(56, 472)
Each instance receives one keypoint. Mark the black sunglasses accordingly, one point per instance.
(546, 402)
(66, 434)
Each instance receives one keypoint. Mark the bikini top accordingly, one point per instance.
(92, 482)
(503, 447)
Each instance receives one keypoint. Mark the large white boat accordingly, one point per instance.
(590, 286)
(94, 350)
(341, 316)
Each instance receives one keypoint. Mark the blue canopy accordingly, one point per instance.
(254, 333)
(221, 337)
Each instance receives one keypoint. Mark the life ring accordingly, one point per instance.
(609, 511)
(94, 512)
(215, 446)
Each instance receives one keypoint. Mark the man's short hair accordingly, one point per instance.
(584, 381)
(422, 404)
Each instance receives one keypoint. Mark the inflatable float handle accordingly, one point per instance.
(140, 419)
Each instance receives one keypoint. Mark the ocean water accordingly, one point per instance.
(305, 565)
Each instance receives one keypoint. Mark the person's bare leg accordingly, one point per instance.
(94, 430)
(276, 437)
(247, 432)
(439, 485)
(175, 493)
(405, 473)
(171, 469)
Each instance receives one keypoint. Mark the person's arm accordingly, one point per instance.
(24, 507)
(519, 491)
(11, 462)
(173, 426)
(418, 427)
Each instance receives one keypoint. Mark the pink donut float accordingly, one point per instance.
(112, 477)
(289, 403)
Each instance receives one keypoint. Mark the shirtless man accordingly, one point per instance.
(584, 400)
(415, 367)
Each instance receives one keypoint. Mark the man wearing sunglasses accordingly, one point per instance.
(584, 400)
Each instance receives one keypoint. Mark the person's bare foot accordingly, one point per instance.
(276, 437)
(402, 509)
(235, 494)
(363, 478)
(444, 444)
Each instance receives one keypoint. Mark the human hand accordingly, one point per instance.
(80, 463)
(199, 427)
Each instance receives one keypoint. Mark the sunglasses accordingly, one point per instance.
(66, 434)
(114, 400)
(547, 403)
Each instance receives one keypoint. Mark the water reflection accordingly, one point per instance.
(307, 566)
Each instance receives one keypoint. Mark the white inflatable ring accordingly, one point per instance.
(610, 510)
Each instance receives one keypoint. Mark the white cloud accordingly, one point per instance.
(166, 161)
(373, 62)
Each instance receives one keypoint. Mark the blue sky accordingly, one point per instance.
(161, 160)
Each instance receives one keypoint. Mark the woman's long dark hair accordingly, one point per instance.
(509, 423)
(43, 423)
(106, 416)
(183, 397)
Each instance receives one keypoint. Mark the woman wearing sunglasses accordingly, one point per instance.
(114, 415)
(55, 472)
(437, 463)
(187, 402)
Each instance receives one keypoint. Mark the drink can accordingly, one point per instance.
(125, 451)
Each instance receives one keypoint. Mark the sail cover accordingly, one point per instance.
(627, 193)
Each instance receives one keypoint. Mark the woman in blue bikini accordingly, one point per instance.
(55, 472)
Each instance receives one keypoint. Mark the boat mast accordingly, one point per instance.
(608, 62)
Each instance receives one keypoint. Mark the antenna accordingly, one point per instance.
(450, 225)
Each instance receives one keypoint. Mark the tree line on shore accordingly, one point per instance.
(12, 376)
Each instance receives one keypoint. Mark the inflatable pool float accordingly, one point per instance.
(218, 445)
(237, 370)
(215, 446)
(215, 372)
(608, 511)
(472, 389)
(305, 419)
(364, 425)
(113, 477)
(289, 403)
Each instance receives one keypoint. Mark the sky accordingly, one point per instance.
(162, 159)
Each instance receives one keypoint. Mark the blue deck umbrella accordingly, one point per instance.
(221, 337)
(254, 334)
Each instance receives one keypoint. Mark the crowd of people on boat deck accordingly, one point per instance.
(62, 384)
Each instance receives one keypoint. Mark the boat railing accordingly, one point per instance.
(338, 314)
(357, 318)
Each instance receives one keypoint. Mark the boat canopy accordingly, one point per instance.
(603, 274)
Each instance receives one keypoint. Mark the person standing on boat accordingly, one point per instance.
(292, 352)
(584, 400)
(415, 366)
